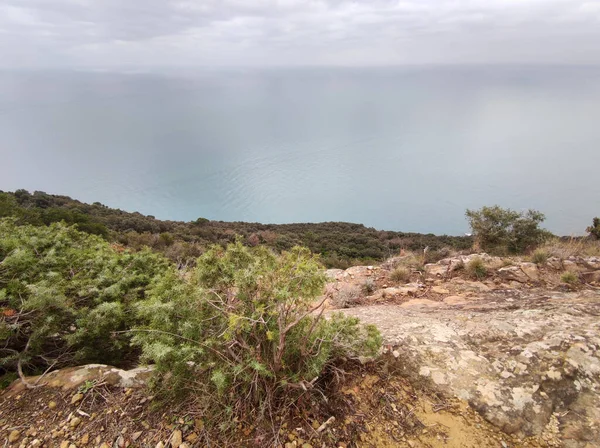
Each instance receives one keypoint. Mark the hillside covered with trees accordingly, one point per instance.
(339, 244)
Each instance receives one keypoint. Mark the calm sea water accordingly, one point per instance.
(399, 149)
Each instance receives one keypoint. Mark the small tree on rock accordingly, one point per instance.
(500, 230)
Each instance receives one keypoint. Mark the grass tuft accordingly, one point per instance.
(570, 278)
(476, 269)
(400, 275)
(540, 256)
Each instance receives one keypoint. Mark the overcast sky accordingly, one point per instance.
(172, 33)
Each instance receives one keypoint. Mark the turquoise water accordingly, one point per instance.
(400, 149)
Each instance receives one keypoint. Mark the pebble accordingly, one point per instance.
(176, 439)
(14, 436)
(192, 437)
(75, 422)
(76, 398)
(52, 405)
(120, 442)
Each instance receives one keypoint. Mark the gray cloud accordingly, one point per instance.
(144, 33)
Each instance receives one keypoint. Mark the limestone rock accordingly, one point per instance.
(439, 290)
(520, 360)
(72, 377)
(590, 277)
(457, 300)
(523, 273)
(433, 270)
(530, 270)
(420, 303)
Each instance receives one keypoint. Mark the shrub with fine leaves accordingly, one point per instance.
(65, 294)
(246, 330)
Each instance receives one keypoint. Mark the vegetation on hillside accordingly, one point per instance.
(339, 244)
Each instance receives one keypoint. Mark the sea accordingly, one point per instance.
(395, 148)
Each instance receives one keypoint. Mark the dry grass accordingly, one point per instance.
(573, 247)
(400, 275)
(540, 256)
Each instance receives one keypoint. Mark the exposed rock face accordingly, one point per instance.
(525, 362)
(522, 273)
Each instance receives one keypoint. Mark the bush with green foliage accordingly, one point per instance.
(64, 294)
(246, 332)
(594, 229)
(476, 269)
(569, 278)
(500, 231)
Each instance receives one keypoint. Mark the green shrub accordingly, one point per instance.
(569, 278)
(501, 231)
(64, 294)
(594, 229)
(476, 269)
(242, 332)
(400, 275)
(540, 256)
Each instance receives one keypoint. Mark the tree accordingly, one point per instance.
(594, 229)
(246, 331)
(499, 230)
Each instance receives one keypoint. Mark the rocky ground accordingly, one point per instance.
(510, 359)
(520, 346)
(103, 407)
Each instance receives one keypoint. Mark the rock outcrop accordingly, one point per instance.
(73, 377)
(528, 364)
